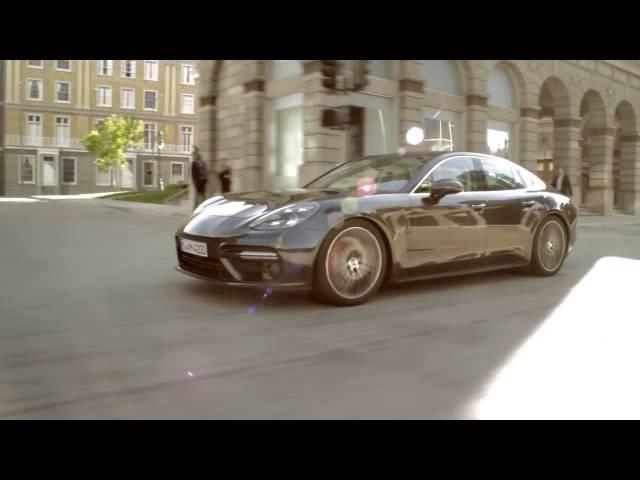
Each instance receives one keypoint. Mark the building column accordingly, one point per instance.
(528, 138)
(321, 145)
(411, 100)
(600, 193)
(566, 152)
(630, 174)
(477, 108)
(207, 115)
(252, 170)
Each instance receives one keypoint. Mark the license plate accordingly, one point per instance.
(196, 248)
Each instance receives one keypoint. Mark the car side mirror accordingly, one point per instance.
(442, 188)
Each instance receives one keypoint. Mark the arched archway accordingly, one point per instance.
(598, 136)
(626, 159)
(558, 134)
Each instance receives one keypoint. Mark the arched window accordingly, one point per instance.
(501, 126)
(501, 90)
(442, 76)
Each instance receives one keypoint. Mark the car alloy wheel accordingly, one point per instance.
(353, 263)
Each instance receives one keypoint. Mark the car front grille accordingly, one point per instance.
(210, 267)
(253, 270)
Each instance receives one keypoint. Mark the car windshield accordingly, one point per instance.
(371, 175)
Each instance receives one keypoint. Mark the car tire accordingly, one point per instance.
(351, 265)
(549, 247)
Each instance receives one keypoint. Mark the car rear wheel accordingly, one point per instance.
(549, 247)
(351, 265)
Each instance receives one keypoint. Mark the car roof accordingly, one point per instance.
(434, 154)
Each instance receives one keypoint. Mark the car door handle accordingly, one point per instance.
(529, 203)
(479, 206)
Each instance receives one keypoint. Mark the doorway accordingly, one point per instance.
(49, 174)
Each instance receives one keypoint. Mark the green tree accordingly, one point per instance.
(112, 138)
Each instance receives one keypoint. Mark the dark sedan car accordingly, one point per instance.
(387, 218)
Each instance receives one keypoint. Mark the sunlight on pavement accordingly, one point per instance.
(582, 363)
(82, 196)
(18, 200)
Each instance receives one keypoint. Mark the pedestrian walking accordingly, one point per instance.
(225, 176)
(199, 176)
(562, 184)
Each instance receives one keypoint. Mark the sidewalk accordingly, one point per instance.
(183, 208)
(601, 220)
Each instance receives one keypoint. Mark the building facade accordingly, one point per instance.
(47, 107)
(265, 119)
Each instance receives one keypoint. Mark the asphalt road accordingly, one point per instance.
(95, 323)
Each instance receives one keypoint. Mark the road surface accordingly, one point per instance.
(95, 323)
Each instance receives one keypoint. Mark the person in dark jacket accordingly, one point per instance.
(199, 176)
(225, 177)
(562, 184)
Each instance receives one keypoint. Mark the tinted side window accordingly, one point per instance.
(531, 180)
(499, 175)
(460, 168)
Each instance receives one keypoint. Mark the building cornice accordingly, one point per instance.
(101, 113)
(625, 65)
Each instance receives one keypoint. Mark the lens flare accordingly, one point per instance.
(367, 186)
(415, 136)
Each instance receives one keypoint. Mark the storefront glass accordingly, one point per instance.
(442, 130)
(500, 138)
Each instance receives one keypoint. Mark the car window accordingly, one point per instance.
(385, 174)
(530, 180)
(461, 169)
(500, 175)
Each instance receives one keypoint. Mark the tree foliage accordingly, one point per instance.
(112, 138)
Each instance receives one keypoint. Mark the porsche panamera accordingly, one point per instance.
(381, 219)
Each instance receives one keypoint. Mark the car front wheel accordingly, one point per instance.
(351, 265)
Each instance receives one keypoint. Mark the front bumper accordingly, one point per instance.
(251, 261)
(256, 285)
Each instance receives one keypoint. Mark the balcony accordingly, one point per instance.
(50, 142)
(76, 144)
(168, 149)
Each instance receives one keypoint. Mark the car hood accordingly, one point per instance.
(228, 213)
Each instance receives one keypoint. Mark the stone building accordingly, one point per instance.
(47, 107)
(264, 118)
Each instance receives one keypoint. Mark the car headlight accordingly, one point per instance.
(206, 203)
(285, 217)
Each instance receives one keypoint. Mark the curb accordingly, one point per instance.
(637, 224)
(157, 208)
(176, 195)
